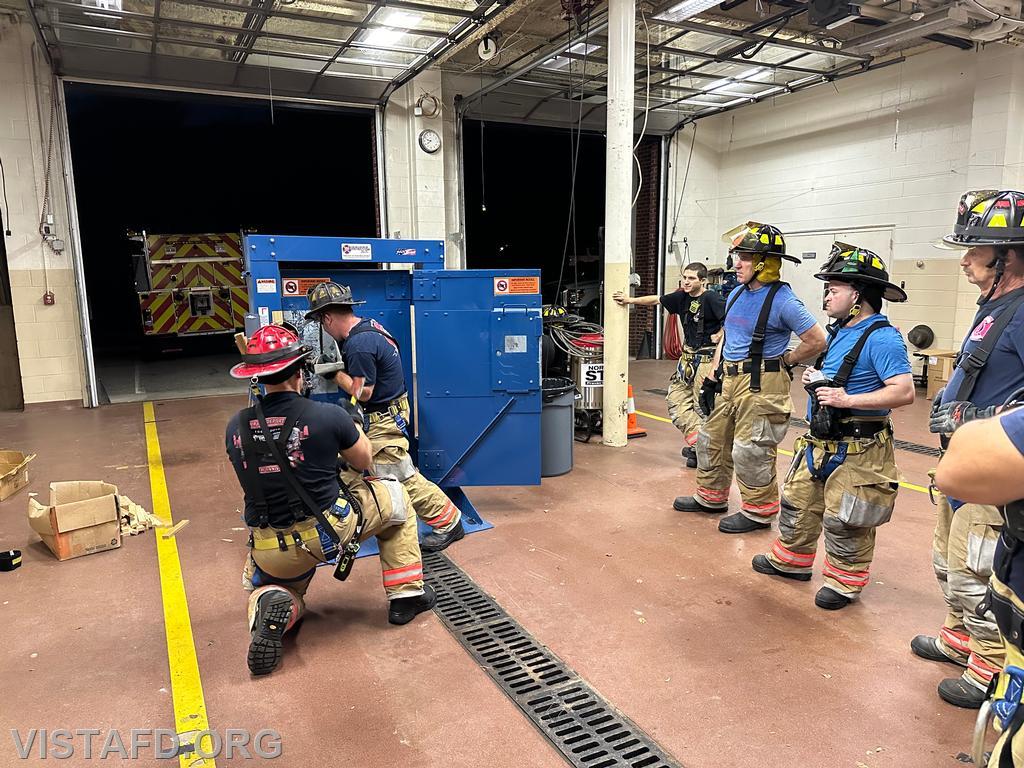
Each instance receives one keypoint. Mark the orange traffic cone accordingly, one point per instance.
(632, 430)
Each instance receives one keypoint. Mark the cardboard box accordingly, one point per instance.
(82, 518)
(13, 472)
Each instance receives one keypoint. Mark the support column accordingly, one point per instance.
(618, 214)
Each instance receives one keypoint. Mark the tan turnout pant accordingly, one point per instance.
(962, 552)
(684, 392)
(386, 515)
(391, 459)
(856, 498)
(743, 433)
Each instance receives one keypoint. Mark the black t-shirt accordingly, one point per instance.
(689, 309)
(375, 357)
(318, 437)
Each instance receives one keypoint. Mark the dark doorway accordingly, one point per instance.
(12, 397)
(173, 163)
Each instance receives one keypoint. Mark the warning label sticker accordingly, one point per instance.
(356, 251)
(266, 285)
(300, 286)
(516, 285)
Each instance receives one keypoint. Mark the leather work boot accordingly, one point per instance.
(435, 542)
(273, 612)
(762, 564)
(691, 504)
(404, 609)
(929, 647)
(740, 523)
(960, 693)
(831, 600)
(691, 457)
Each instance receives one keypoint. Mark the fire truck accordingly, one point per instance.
(190, 285)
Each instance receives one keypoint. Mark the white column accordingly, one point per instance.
(618, 214)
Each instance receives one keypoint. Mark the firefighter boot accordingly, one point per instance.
(692, 504)
(762, 564)
(402, 610)
(831, 600)
(961, 693)
(691, 457)
(928, 647)
(435, 542)
(740, 523)
(274, 610)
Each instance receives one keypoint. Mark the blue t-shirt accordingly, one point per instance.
(788, 316)
(1013, 425)
(883, 356)
(1004, 373)
(375, 357)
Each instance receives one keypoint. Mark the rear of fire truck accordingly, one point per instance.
(190, 285)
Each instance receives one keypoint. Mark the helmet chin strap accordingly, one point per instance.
(1000, 264)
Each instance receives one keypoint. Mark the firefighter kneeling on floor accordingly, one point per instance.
(844, 477)
(304, 508)
(984, 464)
(752, 372)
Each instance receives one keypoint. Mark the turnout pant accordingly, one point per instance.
(386, 515)
(391, 459)
(743, 432)
(962, 552)
(849, 504)
(684, 391)
(1013, 744)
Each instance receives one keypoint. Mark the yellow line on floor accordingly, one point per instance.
(186, 686)
(783, 451)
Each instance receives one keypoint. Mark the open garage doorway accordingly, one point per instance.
(166, 182)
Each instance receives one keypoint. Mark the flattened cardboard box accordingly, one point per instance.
(82, 518)
(13, 472)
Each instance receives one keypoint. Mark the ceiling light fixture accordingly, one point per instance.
(908, 31)
(687, 9)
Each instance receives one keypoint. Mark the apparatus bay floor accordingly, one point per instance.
(656, 609)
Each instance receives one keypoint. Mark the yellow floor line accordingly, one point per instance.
(186, 687)
(783, 451)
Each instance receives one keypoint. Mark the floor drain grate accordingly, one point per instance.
(584, 727)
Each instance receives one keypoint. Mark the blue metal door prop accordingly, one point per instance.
(470, 344)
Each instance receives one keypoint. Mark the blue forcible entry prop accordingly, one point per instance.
(469, 341)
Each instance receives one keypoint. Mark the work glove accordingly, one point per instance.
(706, 399)
(945, 419)
(356, 412)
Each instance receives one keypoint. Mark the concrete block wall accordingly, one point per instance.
(893, 147)
(49, 337)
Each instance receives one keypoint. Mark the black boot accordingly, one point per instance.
(928, 647)
(435, 542)
(273, 612)
(691, 457)
(404, 609)
(740, 523)
(831, 600)
(960, 693)
(762, 564)
(693, 504)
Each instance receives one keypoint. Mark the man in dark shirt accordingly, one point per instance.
(373, 375)
(701, 312)
(289, 509)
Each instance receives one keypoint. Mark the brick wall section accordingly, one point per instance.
(645, 242)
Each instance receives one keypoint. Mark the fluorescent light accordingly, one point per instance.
(561, 62)
(907, 31)
(687, 9)
(100, 15)
(392, 29)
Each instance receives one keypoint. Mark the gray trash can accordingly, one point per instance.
(556, 426)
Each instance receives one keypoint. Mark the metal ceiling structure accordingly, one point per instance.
(332, 50)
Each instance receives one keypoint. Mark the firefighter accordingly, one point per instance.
(844, 475)
(300, 512)
(990, 230)
(702, 312)
(752, 372)
(373, 375)
(985, 465)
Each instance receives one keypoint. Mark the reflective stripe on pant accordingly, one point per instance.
(962, 551)
(292, 569)
(744, 431)
(855, 499)
(683, 394)
(1014, 658)
(391, 459)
